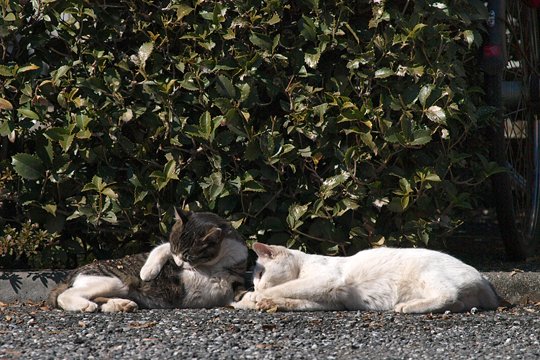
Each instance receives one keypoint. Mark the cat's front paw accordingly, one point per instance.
(267, 305)
(178, 260)
(149, 272)
(400, 308)
(247, 302)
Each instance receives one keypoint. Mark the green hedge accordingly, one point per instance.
(325, 125)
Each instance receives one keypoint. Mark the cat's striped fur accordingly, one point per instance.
(212, 267)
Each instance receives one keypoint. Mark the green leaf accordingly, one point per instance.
(6, 128)
(170, 170)
(274, 19)
(110, 217)
(405, 186)
(225, 87)
(261, 41)
(97, 184)
(205, 125)
(189, 83)
(253, 151)
(10, 17)
(334, 181)
(405, 202)
(212, 186)
(307, 28)
(27, 166)
(414, 32)
(62, 135)
(28, 113)
(59, 73)
(432, 177)
(50, 208)
(343, 206)
(421, 137)
(89, 187)
(235, 122)
(253, 186)
(367, 139)
(182, 11)
(6, 71)
(296, 211)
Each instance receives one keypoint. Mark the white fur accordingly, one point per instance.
(86, 287)
(157, 258)
(207, 285)
(403, 280)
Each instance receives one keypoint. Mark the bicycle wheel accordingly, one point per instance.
(516, 144)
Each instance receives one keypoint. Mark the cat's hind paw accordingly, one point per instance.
(76, 303)
(119, 305)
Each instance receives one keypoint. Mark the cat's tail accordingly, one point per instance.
(52, 300)
(494, 301)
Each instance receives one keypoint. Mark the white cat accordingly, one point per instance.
(403, 280)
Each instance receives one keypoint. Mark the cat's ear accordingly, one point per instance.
(215, 234)
(264, 251)
(182, 215)
(176, 230)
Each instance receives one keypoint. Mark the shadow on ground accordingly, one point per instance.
(47, 278)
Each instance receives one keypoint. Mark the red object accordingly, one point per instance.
(534, 3)
(494, 50)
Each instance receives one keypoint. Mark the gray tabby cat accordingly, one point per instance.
(210, 265)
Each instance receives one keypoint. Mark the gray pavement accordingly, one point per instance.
(30, 330)
(35, 332)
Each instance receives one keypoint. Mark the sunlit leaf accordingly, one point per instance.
(27, 68)
(383, 73)
(425, 91)
(436, 114)
(28, 113)
(144, 51)
(182, 10)
(5, 104)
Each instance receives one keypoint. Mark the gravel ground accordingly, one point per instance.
(36, 332)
